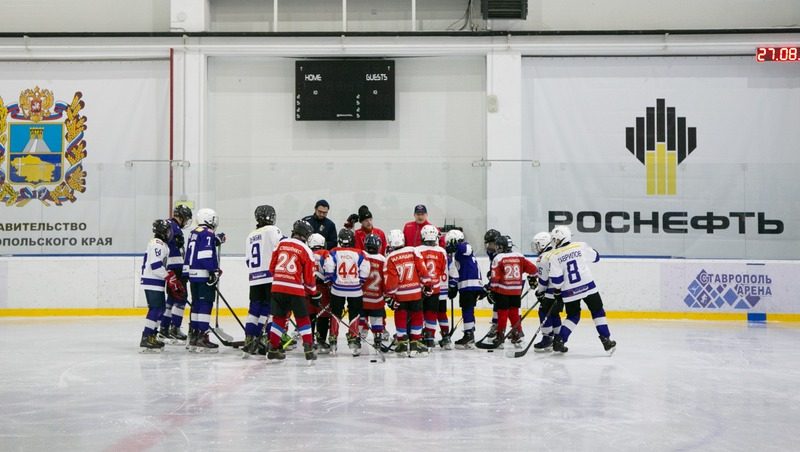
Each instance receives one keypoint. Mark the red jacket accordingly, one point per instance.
(361, 235)
(412, 231)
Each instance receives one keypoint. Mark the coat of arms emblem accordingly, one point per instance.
(42, 148)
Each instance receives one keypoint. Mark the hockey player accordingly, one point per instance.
(258, 253)
(153, 276)
(367, 228)
(374, 305)
(489, 243)
(202, 262)
(434, 309)
(465, 282)
(346, 270)
(292, 268)
(542, 244)
(570, 274)
(173, 313)
(506, 281)
(406, 280)
(323, 324)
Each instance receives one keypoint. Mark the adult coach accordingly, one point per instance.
(320, 224)
(412, 231)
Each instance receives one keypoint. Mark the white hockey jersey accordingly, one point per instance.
(569, 270)
(154, 267)
(347, 269)
(543, 263)
(259, 247)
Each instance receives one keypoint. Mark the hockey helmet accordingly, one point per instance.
(207, 217)
(396, 239)
(454, 236)
(346, 237)
(182, 213)
(504, 244)
(301, 230)
(491, 235)
(265, 215)
(429, 233)
(316, 241)
(541, 241)
(372, 244)
(162, 230)
(561, 235)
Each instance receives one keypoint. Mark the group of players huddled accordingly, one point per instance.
(315, 274)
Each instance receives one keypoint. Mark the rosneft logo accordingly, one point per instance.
(661, 141)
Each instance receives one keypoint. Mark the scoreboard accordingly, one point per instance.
(344, 90)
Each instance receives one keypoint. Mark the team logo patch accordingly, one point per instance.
(661, 141)
(42, 148)
(735, 290)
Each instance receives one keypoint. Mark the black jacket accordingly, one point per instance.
(326, 228)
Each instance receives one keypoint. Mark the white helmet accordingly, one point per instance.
(561, 234)
(396, 239)
(207, 217)
(541, 241)
(429, 233)
(454, 236)
(316, 241)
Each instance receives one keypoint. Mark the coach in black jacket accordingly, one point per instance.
(320, 223)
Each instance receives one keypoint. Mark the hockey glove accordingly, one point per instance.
(427, 291)
(452, 292)
(316, 298)
(175, 288)
(221, 238)
(451, 247)
(391, 303)
(213, 277)
(484, 292)
(490, 297)
(351, 221)
(540, 296)
(179, 241)
(533, 281)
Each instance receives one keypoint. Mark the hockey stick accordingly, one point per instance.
(219, 332)
(493, 345)
(229, 308)
(522, 352)
(380, 353)
(480, 341)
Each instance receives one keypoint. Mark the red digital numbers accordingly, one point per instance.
(779, 54)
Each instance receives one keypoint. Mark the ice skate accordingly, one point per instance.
(250, 346)
(355, 345)
(275, 353)
(324, 348)
(150, 344)
(446, 343)
(308, 350)
(545, 345)
(192, 342)
(516, 338)
(492, 331)
(163, 334)
(401, 348)
(204, 345)
(419, 349)
(262, 344)
(497, 341)
(609, 345)
(176, 334)
(558, 344)
(467, 342)
(332, 344)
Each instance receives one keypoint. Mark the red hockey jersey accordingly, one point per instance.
(404, 274)
(507, 273)
(374, 286)
(435, 259)
(292, 268)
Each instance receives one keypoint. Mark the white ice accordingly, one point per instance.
(81, 384)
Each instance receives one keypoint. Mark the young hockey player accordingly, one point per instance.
(541, 245)
(569, 273)
(506, 281)
(465, 282)
(489, 243)
(202, 262)
(292, 268)
(374, 305)
(346, 270)
(406, 280)
(153, 275)
(323, 324)
(173, 313)
(258, 254)
(434, 309)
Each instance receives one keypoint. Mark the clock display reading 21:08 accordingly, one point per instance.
(780, 54)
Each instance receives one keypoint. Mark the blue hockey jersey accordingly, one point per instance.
(201, 254)
(464, 272)
(175, 259)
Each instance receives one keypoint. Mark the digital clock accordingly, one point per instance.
(780, 54)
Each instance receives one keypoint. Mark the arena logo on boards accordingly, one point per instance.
(42, 148)
(719, 290)
(661, 141)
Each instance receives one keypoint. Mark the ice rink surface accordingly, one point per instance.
(81, 384)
